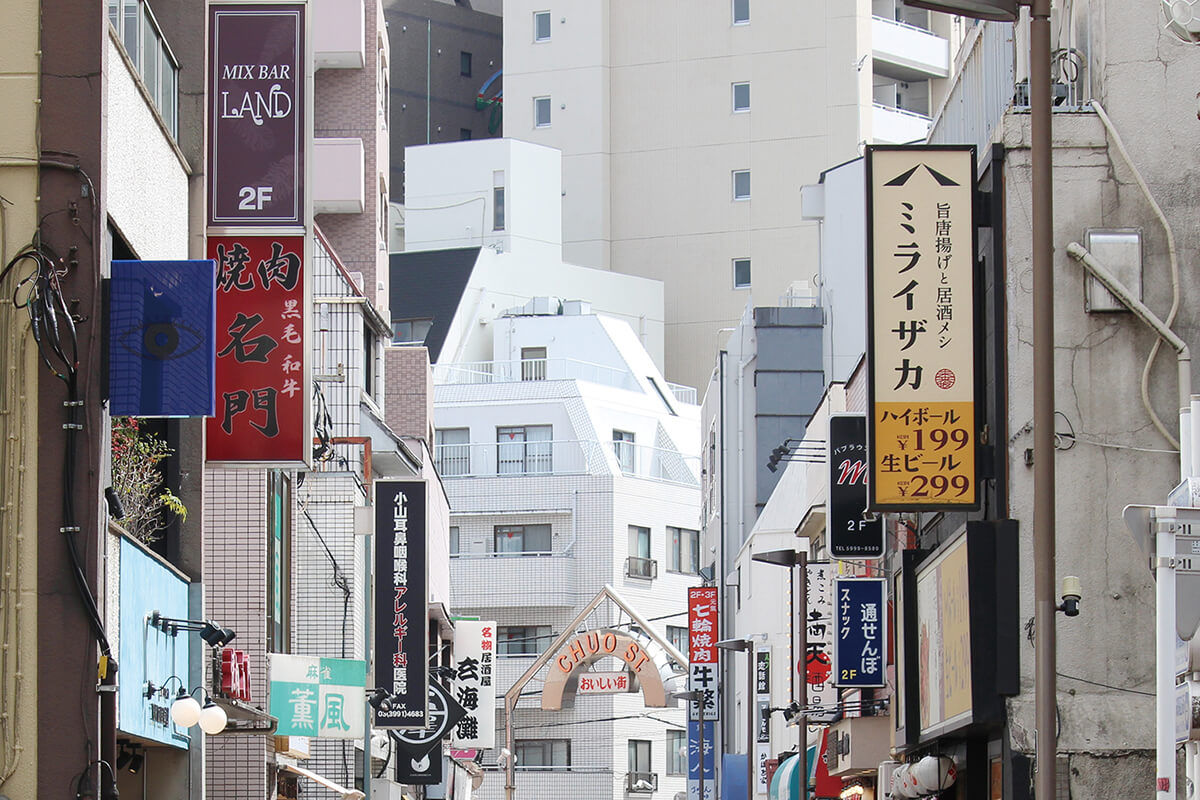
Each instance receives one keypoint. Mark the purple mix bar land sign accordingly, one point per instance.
(256, 115)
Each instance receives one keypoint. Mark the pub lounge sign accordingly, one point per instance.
(922, 329)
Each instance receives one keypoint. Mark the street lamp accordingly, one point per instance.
(746, 646)
(697, 697)
(1042, 251)
(791, 559)
(211, 632)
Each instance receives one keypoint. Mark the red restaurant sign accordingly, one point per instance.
(703, 632)
(262, 383)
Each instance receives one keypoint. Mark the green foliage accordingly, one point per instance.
(138, 480)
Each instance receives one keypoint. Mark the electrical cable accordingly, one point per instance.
(53, 329)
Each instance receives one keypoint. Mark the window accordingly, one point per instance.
(639, 541)
(464, 64)
(523, 640)
(533, 363)
(741, 273)
(498, 200)
(684, 550)
(544, 753)
(676, 752)
(452, 451)
(279, 526)
(541, 26)
(741, 184)
(464, 134)
(741, 97)
(623, 447)
(639, 756)
(541, 112)
(533, 539)
(151, 56)
(455, 546)
(384, 89)
(678, 636)
(410, 331)
(370, 368)
(640, 564)
(741, 12)
(525, 449)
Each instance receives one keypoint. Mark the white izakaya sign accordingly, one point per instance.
(475, 684)
(921, 327)
(318, 697)
(818, 658)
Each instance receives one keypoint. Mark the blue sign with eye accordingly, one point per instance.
(860, 638)
(162, 338)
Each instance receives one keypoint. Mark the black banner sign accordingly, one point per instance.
(850, 534)
(401, 586)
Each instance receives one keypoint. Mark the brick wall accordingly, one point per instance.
(408, 392)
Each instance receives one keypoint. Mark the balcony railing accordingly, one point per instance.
(907, 52)
(641, 782)
(565, 457)
(642, 461)
(890, 125)
(532, 369)
(636, 567)
(684, 394)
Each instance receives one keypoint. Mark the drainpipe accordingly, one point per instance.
(1187, 450)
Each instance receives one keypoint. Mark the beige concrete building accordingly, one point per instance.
(687, 130)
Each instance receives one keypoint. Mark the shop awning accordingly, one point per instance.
(785, 783)
(343, 792)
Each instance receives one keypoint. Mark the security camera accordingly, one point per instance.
(1072, 592)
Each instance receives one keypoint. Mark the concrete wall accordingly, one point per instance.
(649, 140)
(18, 361)
(1142, 74)
(452, 29)
(449, 197)
(350, 103)
(503, 281)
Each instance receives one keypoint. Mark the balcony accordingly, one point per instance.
(636, 567)
(908, 53)
(684, 394)
(564, 457)
(655, 463)
(339, 33)
(533, 369)
(517, 459)
(514, 580)
(641, 782)
(338, 176)
(890, 125)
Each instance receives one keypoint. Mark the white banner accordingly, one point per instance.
(475, 684)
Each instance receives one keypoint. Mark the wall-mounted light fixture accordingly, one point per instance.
(186, 710)
(211, 632)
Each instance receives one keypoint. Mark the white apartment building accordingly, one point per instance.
(688, 129)
(571, 464)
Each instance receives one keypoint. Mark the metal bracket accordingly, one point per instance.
(1164, 561)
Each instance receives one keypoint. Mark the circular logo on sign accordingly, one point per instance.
(944, 378)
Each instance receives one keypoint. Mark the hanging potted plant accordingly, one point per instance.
(149, 504)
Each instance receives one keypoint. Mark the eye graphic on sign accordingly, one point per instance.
(161, 341)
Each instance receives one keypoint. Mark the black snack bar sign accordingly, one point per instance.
(850, 533)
